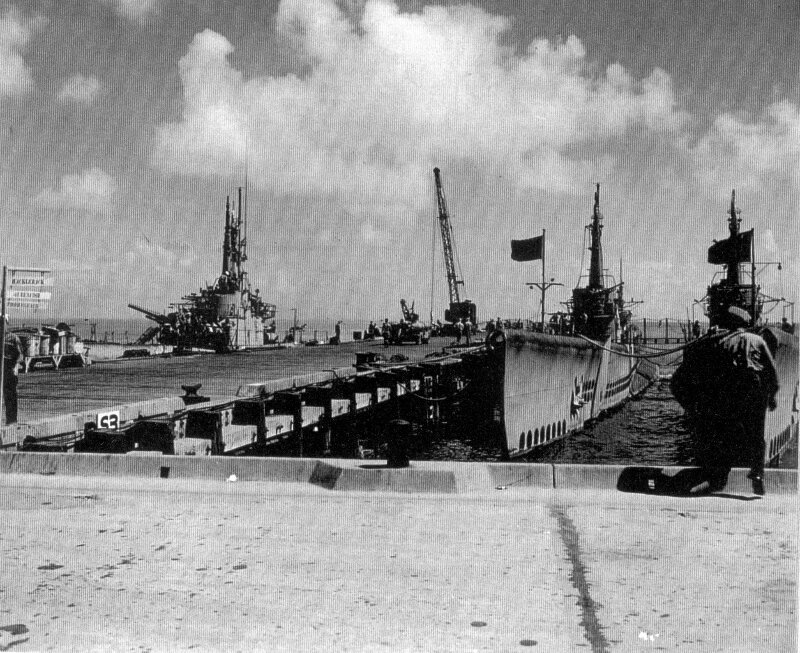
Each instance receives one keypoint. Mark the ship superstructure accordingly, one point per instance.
(738, 287)
(225, 316)
(557, 379)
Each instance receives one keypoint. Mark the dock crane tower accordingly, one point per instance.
(458, 309)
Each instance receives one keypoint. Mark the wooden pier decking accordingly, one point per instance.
(249, 399)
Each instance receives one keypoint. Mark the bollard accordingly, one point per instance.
(191, 396)
(399, 435)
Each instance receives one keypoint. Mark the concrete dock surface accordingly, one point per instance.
(111, 563)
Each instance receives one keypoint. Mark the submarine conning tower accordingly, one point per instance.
(732, 252)
(592, 308)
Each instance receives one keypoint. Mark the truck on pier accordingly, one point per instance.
(409, 329)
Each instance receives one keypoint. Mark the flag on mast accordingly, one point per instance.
(530, 249)
(736, 247)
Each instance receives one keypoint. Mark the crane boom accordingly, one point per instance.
(459, 310)
(447, 241)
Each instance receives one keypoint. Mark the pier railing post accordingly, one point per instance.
(399, 435)
(292, 403)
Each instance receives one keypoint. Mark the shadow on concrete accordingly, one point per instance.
(738, 497)
(691, 482)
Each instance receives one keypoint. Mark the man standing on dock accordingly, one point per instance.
(14, 359)
(727, 383)
(459, 330)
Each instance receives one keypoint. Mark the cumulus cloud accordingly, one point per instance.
(161, 255)
(80, 88)
(385, 97)
(133, 9)
(92, 190)
(744, 152)
(15, 35)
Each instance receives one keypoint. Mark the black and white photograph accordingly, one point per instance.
(399, 325)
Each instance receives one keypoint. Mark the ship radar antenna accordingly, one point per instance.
(246, 170)
(734, 212)
(596, 248)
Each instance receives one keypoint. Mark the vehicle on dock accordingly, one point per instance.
(558, 376)
(733, 288)
(409, 329)
(222, 317)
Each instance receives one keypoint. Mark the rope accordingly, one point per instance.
(668, 352)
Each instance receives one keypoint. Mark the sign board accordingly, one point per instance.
(109, 420)
(28, 288)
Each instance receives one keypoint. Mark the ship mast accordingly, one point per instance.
(734, 254)
(226, 243)
(732, 290)
(239, 245)
(596, 248)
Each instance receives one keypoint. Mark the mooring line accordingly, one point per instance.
(591, 624)
(667, 352)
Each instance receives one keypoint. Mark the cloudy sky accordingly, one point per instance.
(125, 123)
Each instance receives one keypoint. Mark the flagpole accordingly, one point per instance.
(3, 357)
(543, 279)
(544, 285)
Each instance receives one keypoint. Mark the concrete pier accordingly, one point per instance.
(350, 556)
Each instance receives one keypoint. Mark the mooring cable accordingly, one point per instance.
(667, 352)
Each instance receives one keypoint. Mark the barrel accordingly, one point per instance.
(71, 340)
(32, 345)
(44, 345)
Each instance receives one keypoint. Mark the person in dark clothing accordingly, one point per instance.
(459, 330)
(696, 330)
(386, 332)
(727, 383)
(14, 358)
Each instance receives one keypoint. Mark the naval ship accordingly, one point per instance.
(733, 288)
(225, 316)
(559, 378)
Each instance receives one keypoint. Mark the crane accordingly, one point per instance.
(458, 309)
